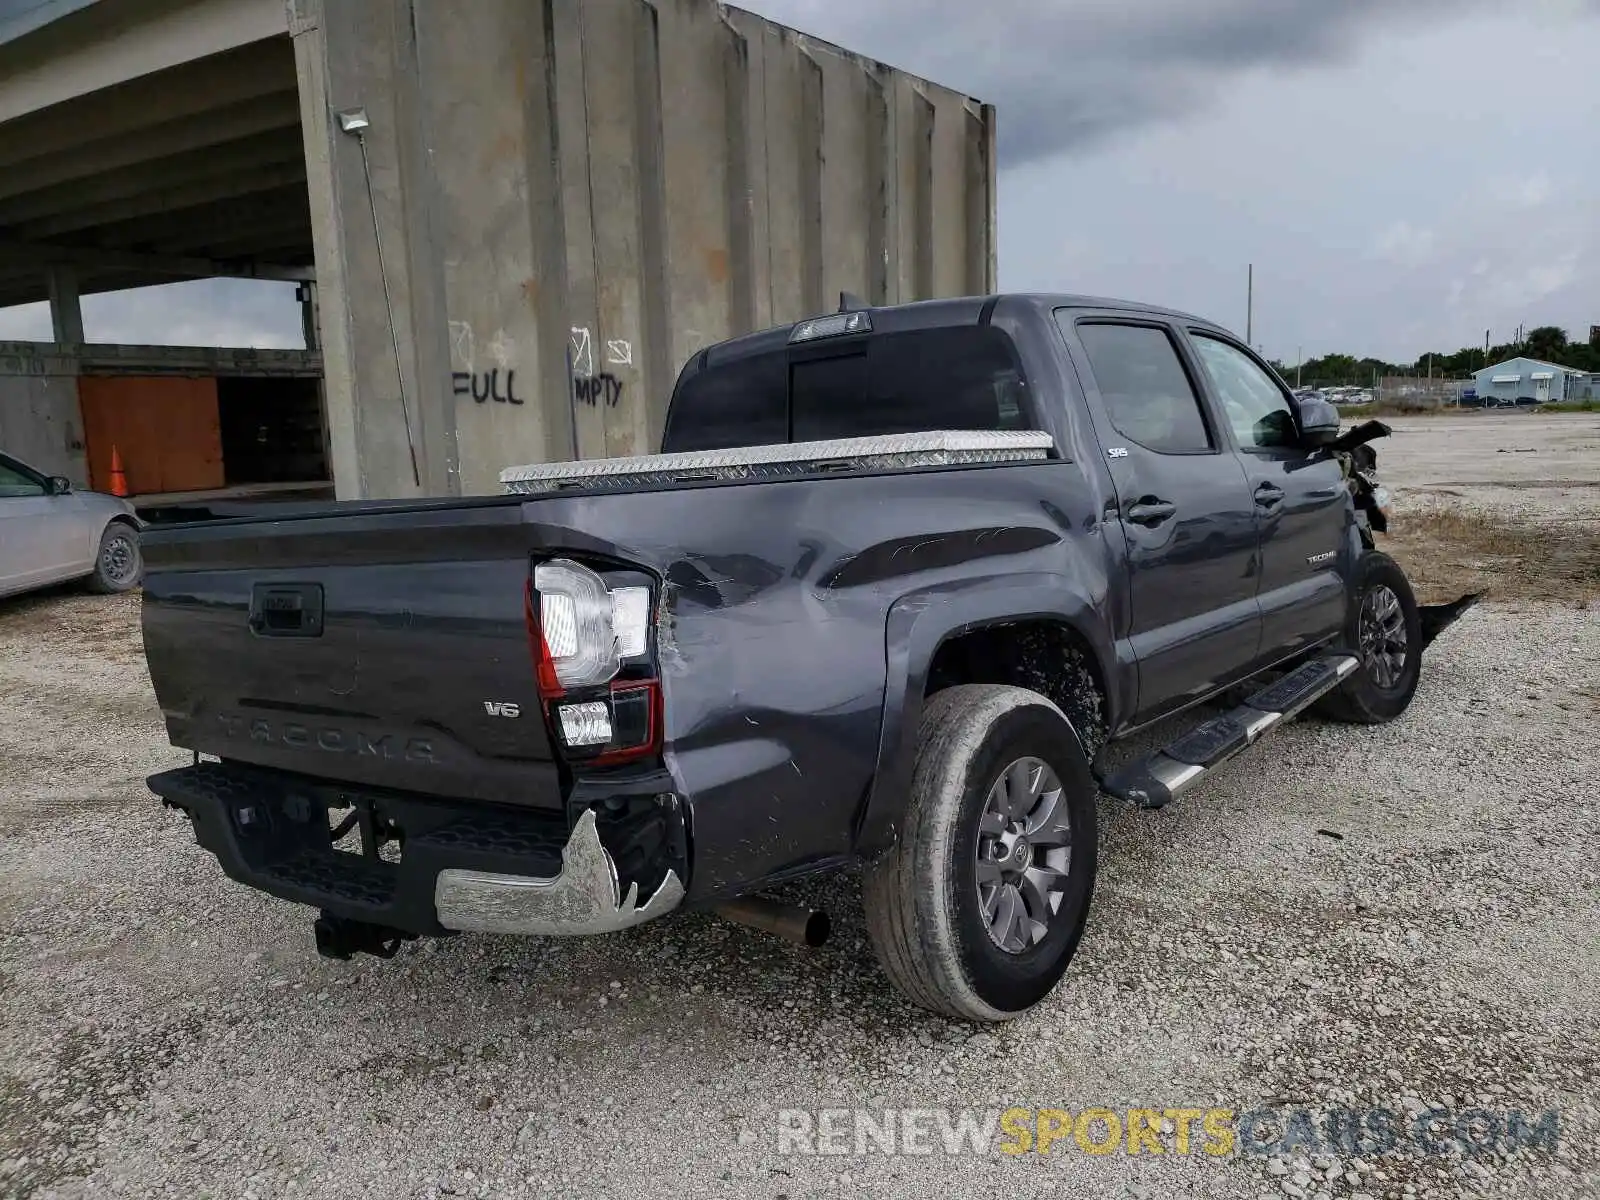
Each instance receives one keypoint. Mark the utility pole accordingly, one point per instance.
(1299, 363)
(1249, 304)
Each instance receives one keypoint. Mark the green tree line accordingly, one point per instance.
(1547, 342)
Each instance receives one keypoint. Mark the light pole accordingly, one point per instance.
(355, 122)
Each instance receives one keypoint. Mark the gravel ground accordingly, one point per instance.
(1538, 466)
(164, 1032)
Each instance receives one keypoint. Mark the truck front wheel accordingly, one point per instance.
(1384, 631)
(978, 908)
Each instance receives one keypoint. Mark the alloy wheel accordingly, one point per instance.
(1383, 636)
(1023, 855)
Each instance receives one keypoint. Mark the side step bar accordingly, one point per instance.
(1156, 781)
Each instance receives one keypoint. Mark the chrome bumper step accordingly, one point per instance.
(583, 898)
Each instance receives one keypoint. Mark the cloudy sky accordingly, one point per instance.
(1404, 174)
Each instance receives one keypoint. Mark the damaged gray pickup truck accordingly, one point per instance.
(898, 577)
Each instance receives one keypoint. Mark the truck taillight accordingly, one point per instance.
(624, 726)
(591, 644)
(576, 623)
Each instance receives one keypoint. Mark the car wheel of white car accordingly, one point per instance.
(119, 565)
(978, 908)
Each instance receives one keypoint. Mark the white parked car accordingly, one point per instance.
(50, 533)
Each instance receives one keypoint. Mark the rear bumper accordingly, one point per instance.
(585, 896)
(461, 866)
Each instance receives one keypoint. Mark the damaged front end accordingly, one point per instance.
(1353, 451)
(1359, 462)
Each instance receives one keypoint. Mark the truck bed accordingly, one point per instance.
(424, 636)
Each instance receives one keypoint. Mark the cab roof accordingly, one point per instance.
(932, 314)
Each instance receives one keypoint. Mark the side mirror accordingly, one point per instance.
(60, 485)
(1319, 424)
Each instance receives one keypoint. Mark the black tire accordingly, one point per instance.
(924, 915)
(118, 563)
(1369, 697)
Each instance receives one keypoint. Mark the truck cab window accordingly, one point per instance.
(1257, 409)
(1147, 393)
(740, 403)
(962, 377)
(954, 377)
(826, 394)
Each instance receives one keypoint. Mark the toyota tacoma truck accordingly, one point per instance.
(898, 577)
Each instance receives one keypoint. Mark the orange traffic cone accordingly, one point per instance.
(119, 478)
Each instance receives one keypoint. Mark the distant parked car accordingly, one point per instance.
(50, 533)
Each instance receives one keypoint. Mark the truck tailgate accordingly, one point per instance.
(385, 646)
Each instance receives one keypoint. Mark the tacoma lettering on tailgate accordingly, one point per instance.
(329, 738)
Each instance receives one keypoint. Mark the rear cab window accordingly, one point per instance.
(964, 377)
(741, 403)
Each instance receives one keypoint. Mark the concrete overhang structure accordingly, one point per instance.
(521, 216)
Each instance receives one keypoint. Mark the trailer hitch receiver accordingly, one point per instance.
(341, 938)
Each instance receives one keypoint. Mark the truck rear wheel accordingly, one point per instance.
(1384, 632)
(978, 908)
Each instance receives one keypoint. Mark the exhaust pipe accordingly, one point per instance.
(807, 926)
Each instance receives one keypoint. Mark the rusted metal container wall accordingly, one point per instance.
(575, 195)
(163, 429)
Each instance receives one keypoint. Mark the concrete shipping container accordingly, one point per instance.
(566, 198)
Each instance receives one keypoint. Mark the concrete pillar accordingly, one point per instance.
(66, 313)
(560, 201)
(383, 327)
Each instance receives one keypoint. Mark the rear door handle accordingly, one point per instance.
(1269, 494)
(1150, 511)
